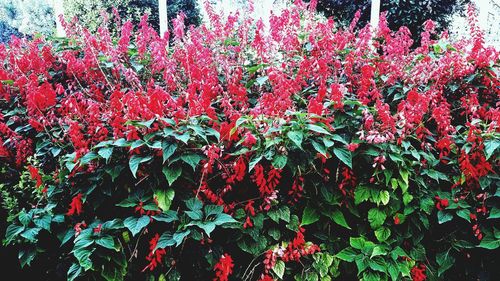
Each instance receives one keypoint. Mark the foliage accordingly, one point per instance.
(6, 32)
(409, 13)
(28, 16)
(89, 12)
(308, 152)
(188, 7)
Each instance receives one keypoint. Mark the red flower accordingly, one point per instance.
(396, 219)
(249, 140)
(155, 255)
(352, 146)
(76, 205)
(78, 227)
(97, 229)
(35, 175)
(418, 273)
(441, 204)
(248, 223)
(223, 268)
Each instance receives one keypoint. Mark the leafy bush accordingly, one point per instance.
(89, 12)
(6, 32)
(409, 13)
(308, 152)
(28, 16)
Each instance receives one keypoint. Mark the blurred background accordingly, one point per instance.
(28, 17)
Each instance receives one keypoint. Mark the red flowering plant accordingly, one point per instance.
(239, 151)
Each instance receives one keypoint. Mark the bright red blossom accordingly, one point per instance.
(223, 268)
(75, 206)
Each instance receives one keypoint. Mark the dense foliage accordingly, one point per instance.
(7, 31)
(27, 16)
(409, 13)
(89, 13)
(304, 152)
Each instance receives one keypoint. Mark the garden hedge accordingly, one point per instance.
(240, 151)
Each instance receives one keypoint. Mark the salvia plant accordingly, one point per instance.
(239, 151)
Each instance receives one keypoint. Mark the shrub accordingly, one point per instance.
(409, 13)
(6, 32)
(89, 12)
(307, 152)
(28, 16)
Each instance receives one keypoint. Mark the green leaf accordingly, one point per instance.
(377, 264)
(282, 212)
(361, 194)
(179, 236)
(254, 162)
(319, 148)
(207, 226)
(25, 218)
(309, 216)
(134, 162)
(12, 231)
(382, 234)
(490, 146)
(128, 202)
(194, 204)
(105, 153)
(135, 225)
(296, 137)
(279, 161)
(338, 217)
(407, 198)
(168, 216)
(83, 257)
(164, 198)
(191, 159)
(393, 271)
(357, 242)
(171, 174)
(87, 158)
(165, 240)
(384, 197)
(317, 129)
(195, 215)
(344, 155)
(436, 175)
(347, 254)
(378, 251)
(464, 213)
(444, 216)
(223, 218)
(43, 222)
(445, 261)
(168, 150)
(376, 218)
(213, 210)
(106, 241)
(494, 213)
(74, 271)
(31, 233)
(489, 243)
(279, 268)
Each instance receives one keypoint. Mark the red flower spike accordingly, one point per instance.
(223, 268)
(418, 273)
(75, 206)
(155, 256)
